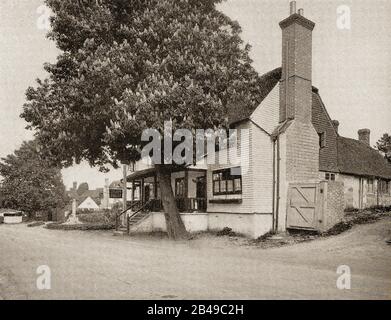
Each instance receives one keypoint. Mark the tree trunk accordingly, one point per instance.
(175, 228)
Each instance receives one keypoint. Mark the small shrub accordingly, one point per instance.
(365, 218)
(380, 209)
(104, 216)
(226, 232)
(266, 236)
(36, 224)
(339, 228)
(351, 210)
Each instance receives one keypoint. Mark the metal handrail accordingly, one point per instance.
(123, 212)
(135, 213)
(140, 209)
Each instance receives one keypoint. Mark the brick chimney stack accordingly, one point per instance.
(298, 143)
(296, 80)
(364, 135)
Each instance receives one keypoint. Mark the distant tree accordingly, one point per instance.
(1, 195)
(131, 65)
(30, 183)
(83, 187)
(384, 146)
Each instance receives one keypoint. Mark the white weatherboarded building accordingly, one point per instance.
(296, 171)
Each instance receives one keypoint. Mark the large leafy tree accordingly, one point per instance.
(129, 65)
(30, 182)
(384, 146)
(83, 187)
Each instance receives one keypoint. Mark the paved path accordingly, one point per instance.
(93, 265)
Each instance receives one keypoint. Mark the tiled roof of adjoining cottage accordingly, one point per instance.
(357, 158)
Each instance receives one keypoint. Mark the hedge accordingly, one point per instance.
(82, 227)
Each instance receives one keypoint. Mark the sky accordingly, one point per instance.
(351, 67)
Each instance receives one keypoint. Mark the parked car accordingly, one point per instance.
(10, 216)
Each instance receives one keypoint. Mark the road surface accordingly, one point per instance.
(97, 265)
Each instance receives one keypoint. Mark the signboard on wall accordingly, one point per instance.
(115, 193)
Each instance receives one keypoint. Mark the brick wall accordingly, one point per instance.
(299, 154)
(302, 153)
(334, 203)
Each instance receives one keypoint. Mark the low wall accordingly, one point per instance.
(194, 222)
(251, 225)
(334, 204)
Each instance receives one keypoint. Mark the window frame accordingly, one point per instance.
(322, 140)
(223, 178)
(329, 176)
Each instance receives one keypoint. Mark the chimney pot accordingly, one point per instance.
(293, 7)
(364, 135)
(336, 125)
(301, 12)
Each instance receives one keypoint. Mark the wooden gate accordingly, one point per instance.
(303, 206)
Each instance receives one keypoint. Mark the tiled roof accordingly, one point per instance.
(141, 174)
(238, 112)
(355, 157)
(96, 195)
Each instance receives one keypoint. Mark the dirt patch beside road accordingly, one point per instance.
(350, 220)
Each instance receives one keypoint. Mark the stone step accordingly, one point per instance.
(120, 232)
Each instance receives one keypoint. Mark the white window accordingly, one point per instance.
(227, 181)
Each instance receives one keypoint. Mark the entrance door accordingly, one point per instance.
(200, 202)
(201, 188)
(147, 193)
(302, 206)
